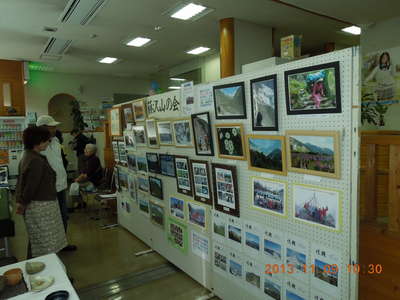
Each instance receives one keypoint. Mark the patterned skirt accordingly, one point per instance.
(45, 227)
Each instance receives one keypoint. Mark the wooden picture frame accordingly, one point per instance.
(139, 110)
(185, 129)
(127, 115)
(201, 181)
(183, 175)
(319, 94)
(226, 140)
(152, 135)
(164, 133)
(322, 143)
(115, 121)
(226, 189)
(156, 191)
(202, 134)
(266, 153)
(261, 91)
(223, 94)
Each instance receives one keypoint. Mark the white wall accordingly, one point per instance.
(43, 86)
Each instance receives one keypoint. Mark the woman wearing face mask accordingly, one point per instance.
(36, 196)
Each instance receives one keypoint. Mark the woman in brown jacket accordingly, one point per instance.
(36, 195)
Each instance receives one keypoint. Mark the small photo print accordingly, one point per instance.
(253, 279)
(272, 289)
(297, 259)
(272, 249)
(220, 261)
(235, 234)
(219, 227)
(177, 208)
(235, 268)
(197, 214)
(253, 241)
(325, 273)
(182, 133)
(143, 183)
(167, 163)
(141, 164)
(268, 195)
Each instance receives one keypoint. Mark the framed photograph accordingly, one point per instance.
(153, 163)
(197, 214)
(132, 162)
(139, 135)
(177, 208)
(230, 139)
(182, 133)
(314, 152)
(129, 140)
(122, 153)
(183, 175)
(115, 121)
(116, 178)
(3, 174)
(156, 188)
(127, 115)
(264, 103)
(226, 189)
(157, 214)
(115, 151)
(267, 153)
(167, 165)
(317, 206)
(229, 101)
(164, 129)
(143, 203)
(152, 136)
(268, 195)
(313, 90)
(143, 183)
(201, 181)
(141, 163)
(203, 140)
(123, 179)
(139, 110)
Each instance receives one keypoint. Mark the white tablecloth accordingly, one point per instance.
(55, 268)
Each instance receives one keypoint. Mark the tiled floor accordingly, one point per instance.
(104, 255)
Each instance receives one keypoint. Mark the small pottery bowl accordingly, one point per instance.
(40, 283)
(13, 276)
(34, 267)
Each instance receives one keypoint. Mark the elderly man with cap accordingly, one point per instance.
(53, 155)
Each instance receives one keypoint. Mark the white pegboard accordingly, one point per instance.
(344, 122)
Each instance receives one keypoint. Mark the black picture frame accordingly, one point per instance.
(218, 194)
(198, 122)
(183, 175)
(153, 167)
(256, 119)
(217, 96)
(156, 187)
(315, 69)
(198, 196)
(166, 158)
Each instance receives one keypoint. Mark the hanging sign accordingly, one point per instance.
(167, 105)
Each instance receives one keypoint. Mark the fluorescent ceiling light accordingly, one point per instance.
(108, 60)
(198, 50)
(177, 79)
(352, 30)
(138, 42)
(174, 87)
(188, 11)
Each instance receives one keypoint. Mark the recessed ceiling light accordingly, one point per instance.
(198, 50)
(352, 30)
(138, 42)
(108, 60)
(177, 79)
(188, 11)
(174, 87)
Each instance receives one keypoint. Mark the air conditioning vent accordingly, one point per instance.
(55, 48)
(81, 11)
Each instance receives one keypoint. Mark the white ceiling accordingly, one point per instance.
(22, 35)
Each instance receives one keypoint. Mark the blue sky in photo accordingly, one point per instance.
(230, 91)
(320, 141)
(291, 296)
(252, 237)
(268, 83)
(265, 146)
(235, 229)
(273, 246)
(299, 256)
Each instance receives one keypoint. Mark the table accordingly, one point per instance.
(55, 268)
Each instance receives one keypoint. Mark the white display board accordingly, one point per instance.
(298, 240)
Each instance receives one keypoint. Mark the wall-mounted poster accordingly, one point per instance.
(230, 140)
(183, 175)
(267, 153)
(129, 140)
(182, 133)
(127, 115)
(167, 165)
(141, 164)
(201, 181)
(264, 103)
(197, 215)
(177, 234)
(156, 188)
(164, 129)
(139, 134)
(314, 152)
(268, 195)
(153, 163)
(152, 136)
(165, 104)
(177, 208)
(203, 140)
(139, 110)
(226, 189)
(143, 184)
(122, 153)
(115, 121)
(313, 90)
(317, 206)
(132, 162)
(229, 101)
(115, 150)
(157, 214)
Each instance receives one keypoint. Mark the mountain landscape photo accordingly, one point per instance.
(264, 103)
(266, 154)
(229, 101)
